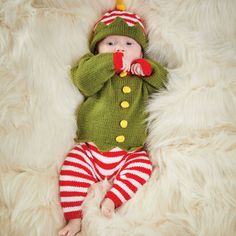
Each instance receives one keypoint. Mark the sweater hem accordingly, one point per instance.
(108, 147)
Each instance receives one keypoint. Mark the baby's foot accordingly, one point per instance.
(107, 207)
(71, 229)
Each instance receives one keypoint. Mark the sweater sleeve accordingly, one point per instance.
(92, 71)
(157, 78)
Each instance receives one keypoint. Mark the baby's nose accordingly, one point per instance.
(119, 47)
(120, 50)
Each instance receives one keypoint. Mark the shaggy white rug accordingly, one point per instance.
(192, 123)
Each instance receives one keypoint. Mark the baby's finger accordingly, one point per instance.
(135, 68)
(132, 69)
(140, 70)
(126, 66)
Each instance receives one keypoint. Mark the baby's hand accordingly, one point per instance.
(121, 62)
(141, 67)
(126, 64)
(136, 69)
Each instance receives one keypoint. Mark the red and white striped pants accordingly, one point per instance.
(85, 165)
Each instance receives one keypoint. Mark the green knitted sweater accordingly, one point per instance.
(113, 112)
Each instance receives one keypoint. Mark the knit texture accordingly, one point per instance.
(118, 27)
(107, 103)
(85, 165)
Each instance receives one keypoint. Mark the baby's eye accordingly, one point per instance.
(110, 43)
(128, 43)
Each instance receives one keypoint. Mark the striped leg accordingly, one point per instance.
(76, 177)
(135, 173)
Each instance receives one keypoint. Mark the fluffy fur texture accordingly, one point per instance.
(192, 123)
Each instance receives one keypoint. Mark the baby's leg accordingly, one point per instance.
(135, 173)
(72, 228)
(76, 177)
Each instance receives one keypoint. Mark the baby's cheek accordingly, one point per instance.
(135, 54)
(104, 49)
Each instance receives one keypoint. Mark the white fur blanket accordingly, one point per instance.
(192, 123)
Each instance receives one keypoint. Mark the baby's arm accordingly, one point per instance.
(90, 74)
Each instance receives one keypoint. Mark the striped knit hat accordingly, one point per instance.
(119, 22)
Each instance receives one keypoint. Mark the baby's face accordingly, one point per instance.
(116, 43)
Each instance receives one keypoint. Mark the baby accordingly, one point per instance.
(116, 81)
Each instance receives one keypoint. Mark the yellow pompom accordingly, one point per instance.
(120, 5)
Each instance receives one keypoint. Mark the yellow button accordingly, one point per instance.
(124, 124)
(126, 89)
(120, 139)
(124, 104)
(123, 74)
